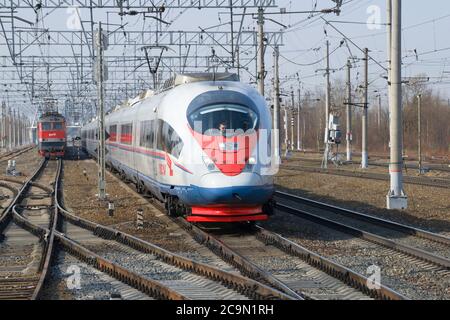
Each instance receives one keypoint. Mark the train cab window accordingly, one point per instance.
(168, 139)
(126, 133)
(113, 133)
(235, 119)
(147, 134)
(46, 126)
(57, 126)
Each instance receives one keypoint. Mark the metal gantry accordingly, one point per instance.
(151, 5)
(43, 63)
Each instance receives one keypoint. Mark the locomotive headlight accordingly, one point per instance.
(252, 161)
(209, 163)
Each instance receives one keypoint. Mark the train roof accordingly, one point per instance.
(186, 78)
(51, 116)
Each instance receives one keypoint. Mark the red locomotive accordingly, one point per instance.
(52, 135)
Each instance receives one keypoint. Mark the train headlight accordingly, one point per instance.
(209, 163)
(251, 162)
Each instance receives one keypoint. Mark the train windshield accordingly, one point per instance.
(224, 119)
(57, 126)
(46, 126)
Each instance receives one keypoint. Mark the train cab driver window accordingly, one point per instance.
(57, 126)
(223, 129)
(46, 126)
(223, 119)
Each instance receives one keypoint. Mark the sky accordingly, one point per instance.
(425, 29)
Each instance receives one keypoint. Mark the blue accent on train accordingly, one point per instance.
(193, 195)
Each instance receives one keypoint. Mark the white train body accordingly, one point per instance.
(170, 145)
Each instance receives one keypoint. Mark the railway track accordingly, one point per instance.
(7, 193)
(287, 266)
(181, 277)
(271, 258)
(404, 254)
(421, 244)
(22, 252)
(307, 275)
(15, 153)
(429, 182)
(30, 236)
(407, 166)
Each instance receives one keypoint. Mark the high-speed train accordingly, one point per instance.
(202, 145)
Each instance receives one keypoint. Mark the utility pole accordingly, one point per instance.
(101, 45)
(3, 127)
(261, 51)
(327, 108)
(365, 156)
(419, 131)
(379, 114)
(299, 109)
(18, 126)
(292, 120)
(286, 134)
(9, 130)
(276, 104)
(349, 112)
(396, 198)
(14, 130)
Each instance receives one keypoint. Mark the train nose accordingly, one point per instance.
(244, 189)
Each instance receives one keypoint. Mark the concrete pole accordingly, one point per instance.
(18, 144)
(379, 114)
(14, 130)
(292, 121)
(389, 41)
(9, 130)
(364, 155)
(292, 131)
(327, 98)
(396, 199)
(101, 117)
(24, 142)
(286, 134)
(327, 108)
(349, 112)
(19, 129)
(261, 51)
(299, 109)
(3, 127)
(276, 103)
(419, 131)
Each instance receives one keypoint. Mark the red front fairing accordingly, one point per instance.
(229, 154)
(52, 134)
(227, 214)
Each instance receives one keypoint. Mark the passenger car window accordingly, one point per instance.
(147, 134)
(113, 133)
(126, 134)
